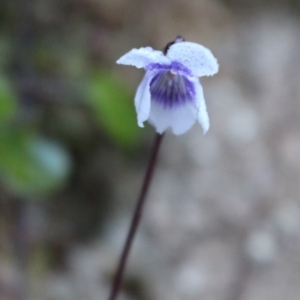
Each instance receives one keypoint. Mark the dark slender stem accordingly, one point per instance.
(135, 219)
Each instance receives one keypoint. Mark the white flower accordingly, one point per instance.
(170, 94)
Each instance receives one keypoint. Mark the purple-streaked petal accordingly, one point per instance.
(174, 67)
(142, 57)
(171, 90)
(180, 118)
(198, 59)
(203, 118)
(143, 98)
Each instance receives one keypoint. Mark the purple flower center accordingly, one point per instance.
(175, 66)
(171, 90)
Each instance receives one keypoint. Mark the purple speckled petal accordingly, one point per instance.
(142, 57)
(198, 59)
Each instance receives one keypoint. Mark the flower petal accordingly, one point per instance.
(142, 57)
(203, 118)
(143, 98)
(198, 59)
(180, 119)
(171, 90)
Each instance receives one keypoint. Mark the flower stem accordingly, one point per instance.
(135, 219)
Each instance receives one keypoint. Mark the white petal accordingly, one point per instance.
(203, 118)
(180, 119)
(143, 98)
(142, 57)
(198, 59)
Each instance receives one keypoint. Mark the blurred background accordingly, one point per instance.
(222, 220)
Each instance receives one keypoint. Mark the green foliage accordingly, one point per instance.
(31, 165)
(7, 100)
(28, 163)
(113, 106)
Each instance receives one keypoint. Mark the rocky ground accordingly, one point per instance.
(223, 216)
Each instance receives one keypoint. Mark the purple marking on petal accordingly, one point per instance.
(174, 66)
(178, 66)
(171, 90)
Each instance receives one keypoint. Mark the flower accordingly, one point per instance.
(170, 94)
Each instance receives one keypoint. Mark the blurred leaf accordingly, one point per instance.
(28, 164)
(114, 108)
(31, 165)
(7, 100)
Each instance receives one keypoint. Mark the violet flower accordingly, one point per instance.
(170, 94)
